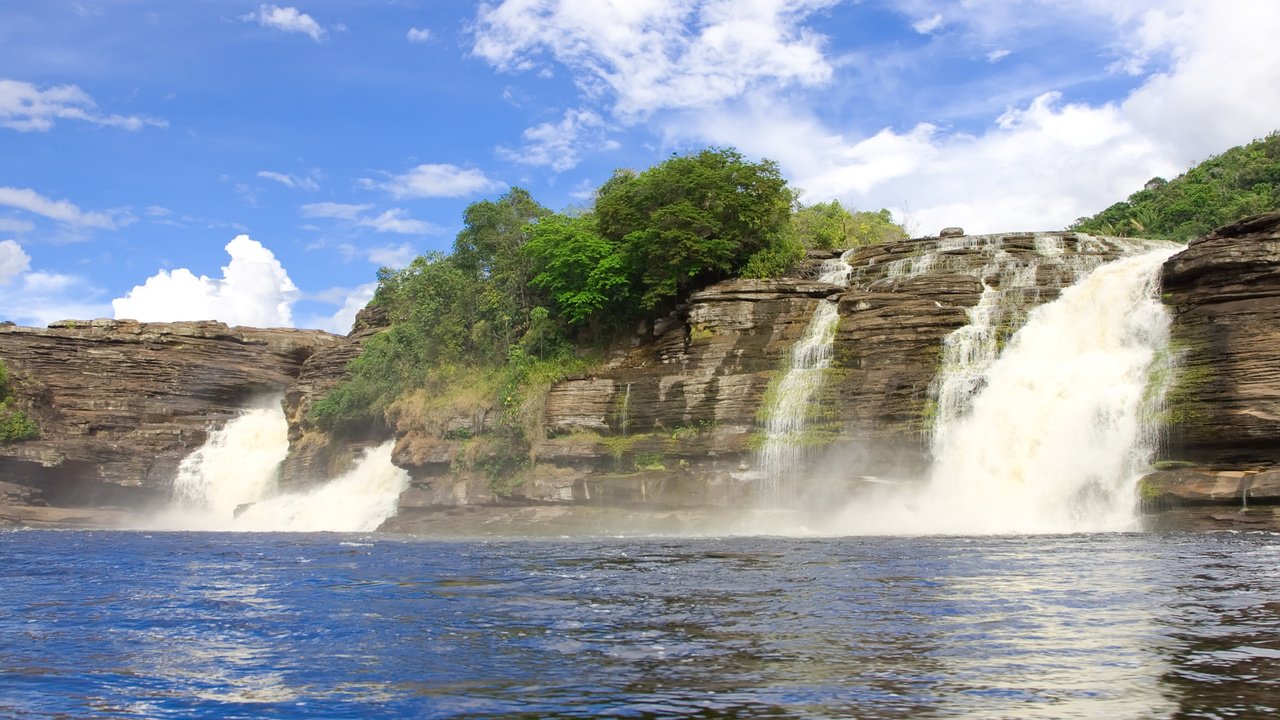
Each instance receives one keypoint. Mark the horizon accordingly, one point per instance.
(256, 163)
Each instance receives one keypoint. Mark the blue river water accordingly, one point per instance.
(98, 624)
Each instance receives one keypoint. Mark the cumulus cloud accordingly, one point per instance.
(557, 144)
(287, 19)
(61, 210)
(26, 108)
(435, 181)
(656, 55)
(418, 35)
(309, 182)
(13, 261)
(254, 290)
(1043, 162)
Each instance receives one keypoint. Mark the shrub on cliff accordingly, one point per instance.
(14, 423)
(1240, 182)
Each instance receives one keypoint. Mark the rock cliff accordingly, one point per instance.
(120, 403)
(1223, 410)
(678, 420)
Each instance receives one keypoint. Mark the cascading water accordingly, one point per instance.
(1062, 425)
(782, 458)
(230, 483)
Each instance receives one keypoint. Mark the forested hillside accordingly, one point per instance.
(1242, 181)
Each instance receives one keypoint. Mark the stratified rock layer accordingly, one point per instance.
(1224, 289)
(120, 403)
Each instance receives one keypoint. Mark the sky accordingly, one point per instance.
(256, 163)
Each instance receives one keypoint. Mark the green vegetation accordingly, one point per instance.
(14, 423)
(528, 296)
(1240, 182)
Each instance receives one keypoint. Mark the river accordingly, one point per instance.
(125, 624)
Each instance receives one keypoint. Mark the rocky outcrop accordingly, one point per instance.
(119, 403)
(676, 420)
(1224, 406)
(315, 455)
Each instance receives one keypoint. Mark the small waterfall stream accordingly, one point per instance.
(787, 413)
(230, 483)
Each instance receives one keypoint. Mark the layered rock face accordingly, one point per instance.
(120, 403)
(1223, 410)
(678, 420)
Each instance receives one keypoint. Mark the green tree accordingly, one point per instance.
(692, 220)
(585, 274)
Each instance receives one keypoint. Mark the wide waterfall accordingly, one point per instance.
(782, 458)
(230, 483)
(1057, 428)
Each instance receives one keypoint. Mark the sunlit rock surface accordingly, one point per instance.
(120, 403)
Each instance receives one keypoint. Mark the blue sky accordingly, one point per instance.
(257, 162)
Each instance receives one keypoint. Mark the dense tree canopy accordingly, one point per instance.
(1242, 181)
(692, 220)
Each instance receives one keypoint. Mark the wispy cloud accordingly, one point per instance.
(557, 145)
(435, 181)
(652, 56)
(929, 25)
(392, 255)
(10, 225)
(996, 56)
(397, 220)
(287, 19)
(418, 35)
(62, 211)
(26, 108)
(309, 182)
(337, 211)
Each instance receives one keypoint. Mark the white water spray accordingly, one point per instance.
(230, 483)
(782, 459)
(1062, 427)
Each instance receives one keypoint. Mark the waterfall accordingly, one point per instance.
(1062, 425)
(787, 410)
(230, 483)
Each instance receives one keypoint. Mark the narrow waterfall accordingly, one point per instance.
(1062, 425)
(230, 483)
(788, 409)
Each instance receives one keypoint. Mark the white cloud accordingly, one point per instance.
(254, 290)
(158, 211)
(39, 298)
(287, 19)
(557, 144)
(397, 220)
(61, 210)
(338, 211)
(927, 26)
(658, 55)
(353, 301)
(395, 256)
(310, 182)
(436, 180)
(996, 56)
(1044, 162)
(10, 225)
(13, 261)
(26, 108)
(418, 35)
